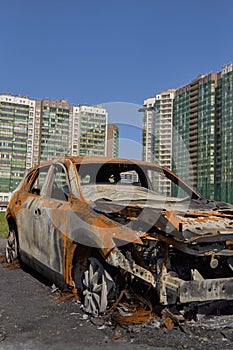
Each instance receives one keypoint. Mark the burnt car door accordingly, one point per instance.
(43, 203)
(30, 199)
(47, 221)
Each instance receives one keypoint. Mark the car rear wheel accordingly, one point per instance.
(12, 248)
(98, 287)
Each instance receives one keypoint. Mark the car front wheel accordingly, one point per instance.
(98, 287)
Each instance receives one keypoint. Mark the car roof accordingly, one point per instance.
(97, 160)
(93, 159)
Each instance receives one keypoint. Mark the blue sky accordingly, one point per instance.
(107, 51)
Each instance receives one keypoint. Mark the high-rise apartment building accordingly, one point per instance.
(33, 131)
(181, 120)
(55, 123)
(148, 132)
(224, 135)
(112, 140)
(16, 113)
(157, 132)
(89, 130)
(157, 128)
(194, 122)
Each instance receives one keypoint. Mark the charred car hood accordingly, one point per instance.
(190, 222)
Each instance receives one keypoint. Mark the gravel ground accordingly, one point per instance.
(34, 318)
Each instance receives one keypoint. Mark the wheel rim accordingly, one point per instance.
(99, 288)
(11, 247)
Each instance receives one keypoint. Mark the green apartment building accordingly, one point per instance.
(180, 144)
(194, 120)
(224, 136)
(55, 124)
(202, 133)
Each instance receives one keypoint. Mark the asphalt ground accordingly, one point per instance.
(35, 316)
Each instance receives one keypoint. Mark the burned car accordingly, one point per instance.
(103, 225)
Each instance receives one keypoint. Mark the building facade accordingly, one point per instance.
(112, 140)
(16, 114)
(55, 123)
(34, 132)
(148, 142)
(89, 130)
(194, 118)
(224, 136)
(157, 133)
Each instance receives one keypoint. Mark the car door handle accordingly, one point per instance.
(38, 212)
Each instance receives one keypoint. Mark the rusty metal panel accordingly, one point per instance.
(116, 258)
(209, 289)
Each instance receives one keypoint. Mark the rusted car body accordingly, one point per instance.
(102, 225)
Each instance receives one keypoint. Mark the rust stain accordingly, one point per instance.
(12, 266)
(67, 294)
(168, 323)
(171, 216)
(136, 316)
(2, 259)
(202, 217)
(68, 265)
(131, 309)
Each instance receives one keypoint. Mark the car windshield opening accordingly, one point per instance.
(123, 181)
